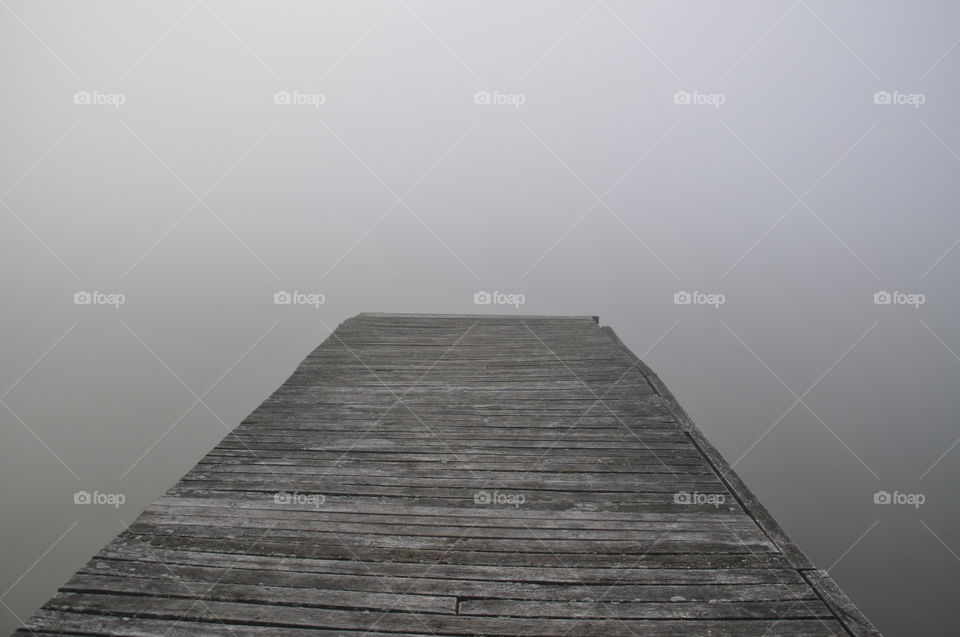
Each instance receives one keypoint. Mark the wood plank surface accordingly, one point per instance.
(458, 475)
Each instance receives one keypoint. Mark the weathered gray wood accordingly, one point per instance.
(394, 425)
(275, 574)
(841, 606)
(257, 592)
(250, 614)
(713, 609)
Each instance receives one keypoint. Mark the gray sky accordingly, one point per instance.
(786, 161)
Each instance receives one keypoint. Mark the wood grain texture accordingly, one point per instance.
(458, 475)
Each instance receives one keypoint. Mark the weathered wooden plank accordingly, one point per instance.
(228, 612)
(317, 523)
(63, 622)
(275, 575)
(648, 483)
(666, 542)
(257, 592)
(650, 522)
(678, 609)
(487, 515)
(767, 568)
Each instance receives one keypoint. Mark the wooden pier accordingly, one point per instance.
(458, 475)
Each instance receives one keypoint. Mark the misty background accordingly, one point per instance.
(792, 159)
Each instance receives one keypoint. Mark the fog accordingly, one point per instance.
(781, 163)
